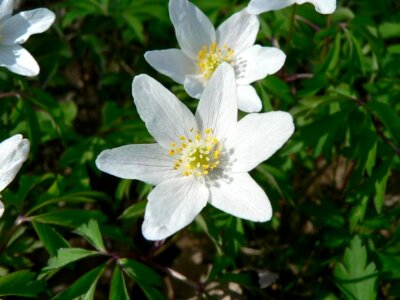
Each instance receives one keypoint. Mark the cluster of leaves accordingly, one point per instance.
(70, 231)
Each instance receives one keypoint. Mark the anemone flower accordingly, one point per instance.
(203, 49)
(15, 30)
(198, 159)
(261, 6)
(13, 152)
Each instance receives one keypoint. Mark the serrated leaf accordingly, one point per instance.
(118, 289)
(84, 286)
(50, 238)
(91, 232)
(355, 277)
(10, 284)
(68, 255)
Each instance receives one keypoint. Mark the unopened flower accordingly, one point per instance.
(15, 30)
(13, 152)
(261, 6)
(198, 159)
(203, 49)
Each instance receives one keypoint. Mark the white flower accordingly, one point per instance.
(204, 49)
(15, 30)
(198, 159)
(13, 152)
(260, 6)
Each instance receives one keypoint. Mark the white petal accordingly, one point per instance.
(239, 32)
(257, 62)
(258, 136)
(192, 28)
(172, 205)
(6, 9)
(149, 163)
(248, 100)
(171, 62)
(18, 60)
(1, 209)
(165, 116)
(260, 6)
(13, 152)
(241, 196)
(194, 85)
(20, 27)
(217, 108)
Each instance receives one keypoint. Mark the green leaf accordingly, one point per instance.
(50, 238)
(135, 25)
(134, 211)
(388, 116)
(84, 286)
(118, 289)
(148, 280)
(68, 255)
(21, 283)
(69, 218)
(92, 233)
(380, 185)
(358, 211)
(389, 30)
(75, 197)
(278, 87)
(355, 277)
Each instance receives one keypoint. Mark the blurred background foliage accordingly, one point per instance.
(70, 231)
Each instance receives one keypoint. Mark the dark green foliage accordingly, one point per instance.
(70, 231)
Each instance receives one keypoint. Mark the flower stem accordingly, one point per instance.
(10, 233)
(9, 94)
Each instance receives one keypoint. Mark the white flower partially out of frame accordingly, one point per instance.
(261, 6)
(198, 159)
(203, 49)
(15, 30)
(13, 152)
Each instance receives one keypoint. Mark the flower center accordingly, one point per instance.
(209, 58)
(198, 154)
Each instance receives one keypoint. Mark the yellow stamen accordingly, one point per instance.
(198, 155)
(209, 58)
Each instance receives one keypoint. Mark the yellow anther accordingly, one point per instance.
(209, 58)
(197, 154)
